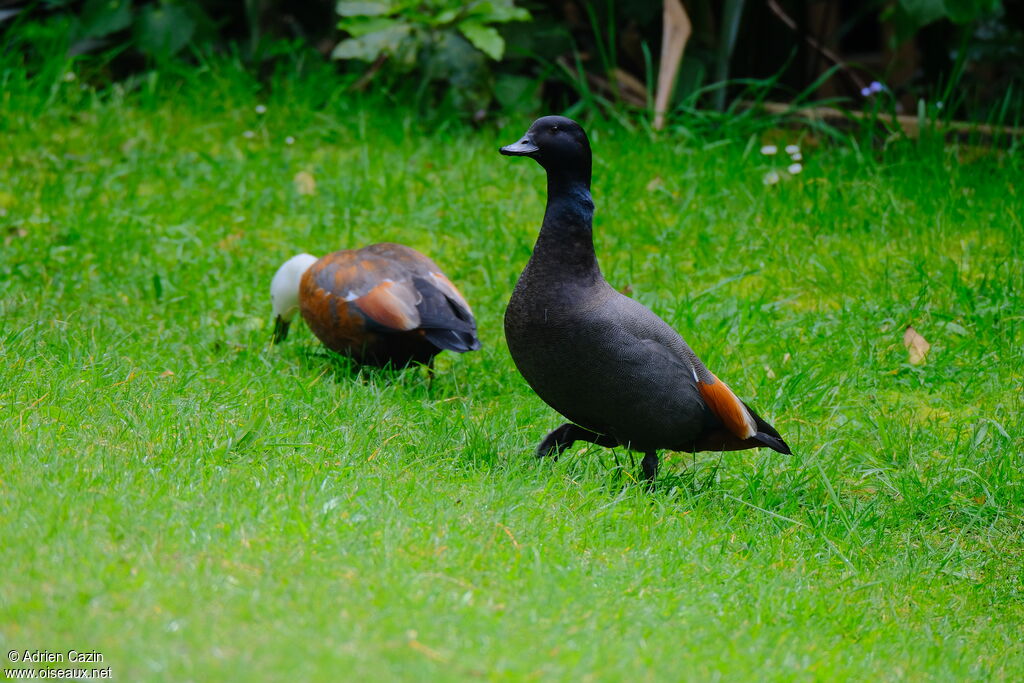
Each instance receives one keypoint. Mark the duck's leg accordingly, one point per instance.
(650, 466)
(568, 434)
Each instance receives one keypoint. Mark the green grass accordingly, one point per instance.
(197, 505)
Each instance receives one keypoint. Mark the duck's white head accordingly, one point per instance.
(284, 292)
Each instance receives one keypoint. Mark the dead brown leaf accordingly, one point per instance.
(917, 346)
(229, 240)
(305, 183)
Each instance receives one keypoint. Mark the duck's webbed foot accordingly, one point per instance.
(565, 436)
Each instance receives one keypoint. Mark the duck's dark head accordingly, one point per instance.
(555, 142)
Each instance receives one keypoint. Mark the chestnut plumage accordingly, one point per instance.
(616, 370)
(382, 304)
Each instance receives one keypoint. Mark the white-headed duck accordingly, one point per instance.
(382, 304)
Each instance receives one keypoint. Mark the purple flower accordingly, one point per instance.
(872, 88)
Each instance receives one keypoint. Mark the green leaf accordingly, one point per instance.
(923, 12)
(362, 9)
(964, 11)
(372, 45)
(491, 13)
(361, 26)
(102, 17)
(484, 38)
(446, 17)
(162, 30)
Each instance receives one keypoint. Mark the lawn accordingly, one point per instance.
(195, 504)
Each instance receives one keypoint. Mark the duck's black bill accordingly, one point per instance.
(280, 330)
(523, 148)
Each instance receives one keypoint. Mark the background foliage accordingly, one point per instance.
(493, 56)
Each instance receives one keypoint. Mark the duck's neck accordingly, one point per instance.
(566, 237)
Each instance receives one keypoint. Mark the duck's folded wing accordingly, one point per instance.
(741, 422)
(357, 282)
(419, 266)
(445, 317)
(444, 314)
(643, 323)
(393, 306)
(438, 280)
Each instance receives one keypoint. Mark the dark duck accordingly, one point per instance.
(385, 304)
(615, 370)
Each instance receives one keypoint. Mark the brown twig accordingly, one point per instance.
(910, 125)
(365, 79)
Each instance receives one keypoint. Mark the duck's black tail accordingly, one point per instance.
(773, 442)
(459, 341)
(768, 435)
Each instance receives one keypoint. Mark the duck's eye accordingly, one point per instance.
(554, 129)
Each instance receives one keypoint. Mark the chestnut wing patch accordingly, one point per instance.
(391, 305)
(729, 409)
